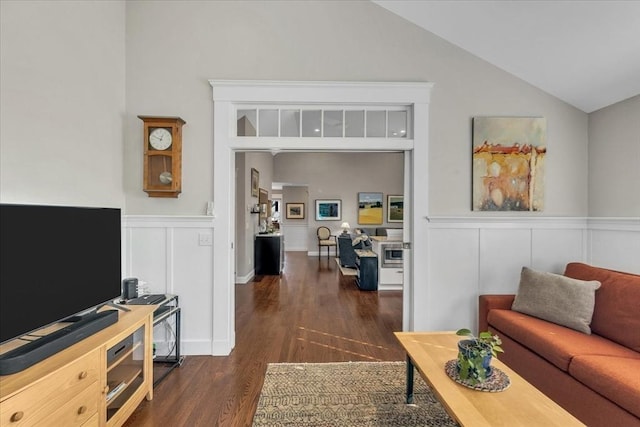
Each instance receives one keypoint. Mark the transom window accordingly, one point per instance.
(328, 122)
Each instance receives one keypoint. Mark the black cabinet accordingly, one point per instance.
(367, 266)
(269, 254)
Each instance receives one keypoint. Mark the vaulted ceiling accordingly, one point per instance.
(586, 53)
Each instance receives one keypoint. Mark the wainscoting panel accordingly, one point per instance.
(503, 252)
(295, 236)
(466, 257)
(453, 280)
(167, 253)
(552, 249)
(615, 244)
(473, 256)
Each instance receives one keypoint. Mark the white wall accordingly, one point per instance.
(62, 79)
(614, 160)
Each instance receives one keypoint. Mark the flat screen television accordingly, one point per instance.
(55, 262)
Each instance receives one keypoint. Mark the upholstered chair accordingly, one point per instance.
(326, 239)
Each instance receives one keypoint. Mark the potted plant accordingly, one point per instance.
(474, 355)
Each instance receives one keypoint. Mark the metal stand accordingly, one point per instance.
(167, 308)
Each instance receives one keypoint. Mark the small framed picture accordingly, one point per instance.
(395, 208)
(255, 182)
(295, 210)
(328, 210)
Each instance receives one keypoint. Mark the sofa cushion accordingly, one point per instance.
(615, 314)
(553, 342)
(616, 378)
(558, 299)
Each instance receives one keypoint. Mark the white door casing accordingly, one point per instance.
(229, 94)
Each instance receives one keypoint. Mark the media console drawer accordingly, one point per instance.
(56, 392)
(70, 387)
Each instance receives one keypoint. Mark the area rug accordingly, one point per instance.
(345, 394)
(346, 271)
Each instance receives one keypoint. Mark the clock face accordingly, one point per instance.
(160, 139)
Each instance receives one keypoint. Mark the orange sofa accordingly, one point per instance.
(594, 377)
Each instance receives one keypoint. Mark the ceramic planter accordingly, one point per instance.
(474, 364)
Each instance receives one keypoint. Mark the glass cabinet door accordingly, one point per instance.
(125, 370)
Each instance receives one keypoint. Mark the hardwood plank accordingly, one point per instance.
(309, 314)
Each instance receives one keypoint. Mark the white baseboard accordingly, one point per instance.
(246, 278)
(389, 287)
(323, 254)
(195, 348)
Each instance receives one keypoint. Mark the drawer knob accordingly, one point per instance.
(82, 410)
(17, 416)
(83, 375)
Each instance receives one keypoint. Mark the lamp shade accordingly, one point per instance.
(345, 225)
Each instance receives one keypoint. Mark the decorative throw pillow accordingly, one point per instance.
(555, 298)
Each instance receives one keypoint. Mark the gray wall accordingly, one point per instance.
(247, 224)
(341, 176)
(614, 160)
(328, 41)
(64, 66)
(296, 194)
(62, 80)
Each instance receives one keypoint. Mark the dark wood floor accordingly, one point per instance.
(309, 314)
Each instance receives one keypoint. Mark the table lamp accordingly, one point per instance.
(345, 227)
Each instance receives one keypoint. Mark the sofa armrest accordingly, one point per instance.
(489, 302)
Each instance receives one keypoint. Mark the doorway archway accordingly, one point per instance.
(231, 96)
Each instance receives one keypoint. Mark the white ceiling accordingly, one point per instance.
(586, 53)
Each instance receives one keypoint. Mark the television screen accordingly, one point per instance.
(55, 262)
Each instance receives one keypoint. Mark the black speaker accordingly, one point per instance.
(130, 288)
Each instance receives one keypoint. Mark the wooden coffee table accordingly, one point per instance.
(519, 405)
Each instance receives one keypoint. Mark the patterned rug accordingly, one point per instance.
(345, 394)
(346, 271)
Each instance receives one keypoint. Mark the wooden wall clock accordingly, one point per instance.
(162, 176)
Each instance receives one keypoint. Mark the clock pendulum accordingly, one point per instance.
(165, 177)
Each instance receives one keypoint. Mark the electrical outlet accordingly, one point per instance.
(205, 239)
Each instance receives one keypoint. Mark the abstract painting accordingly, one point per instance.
(369, 208)
(508, 163)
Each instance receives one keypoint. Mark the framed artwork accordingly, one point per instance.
(369, 208)
(255, 182)
(265, 205)
(395, 208)
(295, 210)
(508, 163)
(328, 210)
